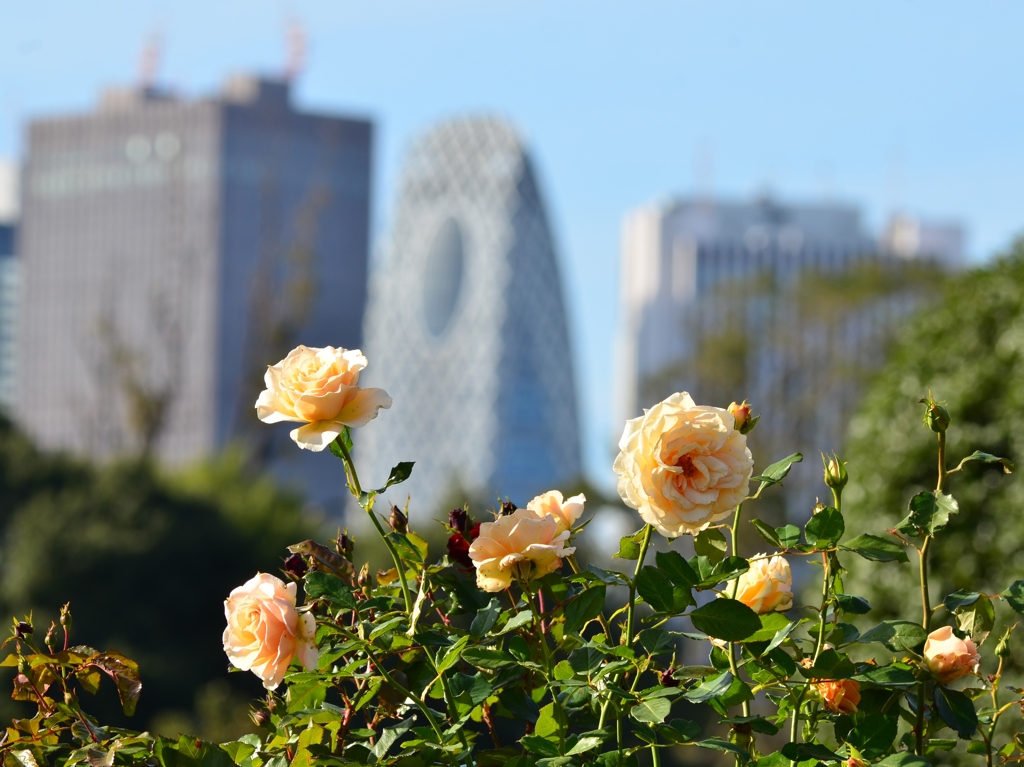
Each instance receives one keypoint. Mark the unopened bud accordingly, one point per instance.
(51, 637)
(65, 616)
(741, 415)
(296, 565)
(398, 521)
(23, 629)
(345, 545)
(667, 678)
(835, 471)
(364, 575)
(260, 717)
(507, 508)
(458, 519)
(855, 762)
(936, 417)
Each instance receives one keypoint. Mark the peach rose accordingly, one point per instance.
(841, 696)
(265, 631)
(519, 543)
(683, 467)
(949, 657)
(320, 388)
(565, 513)
(767, 585)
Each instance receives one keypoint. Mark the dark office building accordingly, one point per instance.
(171, 249)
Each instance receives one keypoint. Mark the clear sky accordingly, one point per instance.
(917, 105)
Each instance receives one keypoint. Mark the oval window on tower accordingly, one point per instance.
(442, 278)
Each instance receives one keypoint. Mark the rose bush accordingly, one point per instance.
(417, 665)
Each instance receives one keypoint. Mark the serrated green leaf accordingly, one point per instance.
(659, 592)
(653, 711)
(977, 619)
(876, 549)
(712, 544)
(895, 676)
(956, 710)
(929, 513)
(629, 546)
(831, 664)
(584, 607)
(851, 604)
(767, 532)
(981, 457)
(789, 535)
(1014, 596)
(726, 619)
(777, 472)
(677, 569)
(825, 528)
(485, 619)
(712, 687)
(319, 585)
(896, 635)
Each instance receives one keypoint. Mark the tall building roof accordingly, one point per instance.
(466, 326)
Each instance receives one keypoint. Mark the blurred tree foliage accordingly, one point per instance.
(969, 350)
(146, 558)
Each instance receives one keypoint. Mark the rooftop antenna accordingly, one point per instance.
(295, 38)
(149, 60)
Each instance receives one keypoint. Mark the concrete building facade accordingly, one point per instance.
(171, 250)
(467, 326)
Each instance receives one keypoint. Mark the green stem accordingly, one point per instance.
(655, 756)
(357, 491)
(644, 544)
(823, 611)
(995, 715)
(734, 536)
(920, 719)
(926, 606)
(538, 629)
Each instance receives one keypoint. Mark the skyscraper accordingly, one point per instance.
(171, 250)
(9, 286)
(789, 305)
(466, 327)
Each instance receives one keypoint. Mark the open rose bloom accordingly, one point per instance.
(320, 388)
(517, 544)
(767, 586)
(840, 696)
(565, 512)
(683, 467)
(949, 657)
(265, 631)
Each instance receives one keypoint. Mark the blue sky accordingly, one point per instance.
(912, 104)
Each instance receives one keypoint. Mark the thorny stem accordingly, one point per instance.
(357, 491)
(995, 715)
(734, 536)
(538, 627)
(823, 611)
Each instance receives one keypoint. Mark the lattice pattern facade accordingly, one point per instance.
(466, 326)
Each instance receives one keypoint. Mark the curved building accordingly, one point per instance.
(466, 327)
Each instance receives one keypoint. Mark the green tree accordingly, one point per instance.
(969, 351)
(146, 558)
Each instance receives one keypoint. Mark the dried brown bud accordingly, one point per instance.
(345, 546)
(296, 565)
(23, 629)
(364, 574)
(507, 507)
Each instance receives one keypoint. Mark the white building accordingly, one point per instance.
(466, 327)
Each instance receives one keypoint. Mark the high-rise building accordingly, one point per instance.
(789, 305)
(173, 248)
(9, 284)
(466, 327)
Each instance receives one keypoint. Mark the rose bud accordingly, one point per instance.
(767, 585)
(835, 472)
(473, 533)
(23, 629)
(741, 416)
(260, 717)
(296, 565)
(936, 417)
(458, 519)
(458, 550)
(398, 521)
(50, 640)
(345, 545)
(840, 696)
(855, 761)
(949, 657)
(667, 680)
(507, 507)
(364, 575)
